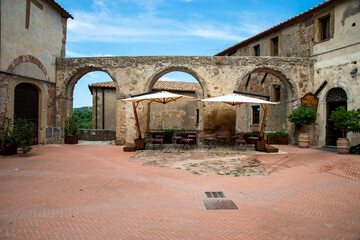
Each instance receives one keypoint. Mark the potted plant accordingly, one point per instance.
(71, 131)
(346, 121)
(278, 137)
(18, 133)
(8, 144)
(303, 116)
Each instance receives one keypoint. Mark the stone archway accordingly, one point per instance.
(65, 94)
(28, 70)
(135, 75)
(188, 115)
(272, 82)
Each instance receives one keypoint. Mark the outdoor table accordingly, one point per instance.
(187, 142)
(176, 140)
(193, 135)
(209, 142)
(221, 139)
(252, 140)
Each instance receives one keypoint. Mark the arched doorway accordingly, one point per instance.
(336, 97)
(27, 102)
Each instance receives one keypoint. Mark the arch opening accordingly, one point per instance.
(91, 101)
(272, 83)
(181, 115)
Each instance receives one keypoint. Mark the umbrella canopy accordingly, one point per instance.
(160, 97)
(236, 99)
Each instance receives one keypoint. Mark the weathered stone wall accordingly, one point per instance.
(97, 135)
(335, 59)
(263, 83)
(217, 76)
(109, 95)
(294, 41)
(31, 53)
(45, 38)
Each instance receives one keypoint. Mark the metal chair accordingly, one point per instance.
(240, 141)
(158, 139)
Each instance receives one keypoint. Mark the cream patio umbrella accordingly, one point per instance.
(237, 98)
(155, 97)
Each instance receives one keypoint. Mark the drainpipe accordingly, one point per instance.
(103, 108)
(96, 110)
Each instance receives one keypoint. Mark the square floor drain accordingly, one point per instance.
(219, 204)
(215, 194)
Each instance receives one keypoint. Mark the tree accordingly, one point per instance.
(345, 121)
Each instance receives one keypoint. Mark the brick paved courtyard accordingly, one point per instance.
(94, 192)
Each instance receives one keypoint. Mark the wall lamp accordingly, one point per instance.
(354, 72)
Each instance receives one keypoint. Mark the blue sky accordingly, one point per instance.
(166, 28)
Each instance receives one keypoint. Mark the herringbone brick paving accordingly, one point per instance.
(94, 192)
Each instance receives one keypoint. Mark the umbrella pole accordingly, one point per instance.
(263, 121)
(137, 121)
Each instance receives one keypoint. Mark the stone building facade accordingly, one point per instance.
(315, 52)
(182, 115)
(328, 33)
(33, 35)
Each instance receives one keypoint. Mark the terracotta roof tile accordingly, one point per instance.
(178, 86)
(103, 84)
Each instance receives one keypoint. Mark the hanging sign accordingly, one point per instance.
(310, 100)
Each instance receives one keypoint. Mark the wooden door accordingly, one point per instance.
(336, 98)
(27, 102)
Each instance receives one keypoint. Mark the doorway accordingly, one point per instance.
(336, 98)
(27, 103)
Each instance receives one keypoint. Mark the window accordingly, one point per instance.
(257, 50)
(276, 93)
(274, 46)
(255, 115)
(197, 116)
(325, 28)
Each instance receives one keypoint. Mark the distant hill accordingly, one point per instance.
(81, 109)
(83, 116)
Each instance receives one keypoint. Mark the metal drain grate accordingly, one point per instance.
(219, 204)
(215, 194)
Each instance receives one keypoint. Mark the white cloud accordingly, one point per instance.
(71, 54)
(110, 26)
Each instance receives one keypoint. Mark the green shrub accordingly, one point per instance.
(346, 121)
(302, 116)
(253, 134)
(277, 135)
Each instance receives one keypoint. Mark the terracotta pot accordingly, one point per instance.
(10, 150)
(343, 146)
(71, 139)
(304, 140)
